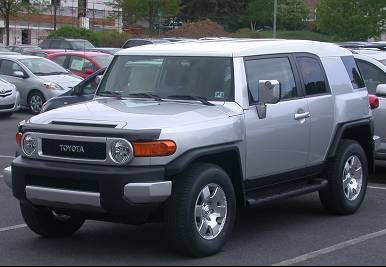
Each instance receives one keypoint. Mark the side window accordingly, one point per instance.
(312, 73)
(55, 44)
(60, 60)
(9, 67)
(271, 69)
(353, 72)
(372, 75)
(64, 45)
(80, 64)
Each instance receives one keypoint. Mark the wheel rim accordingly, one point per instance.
(352, 178)
(211, 211)
(36, 103)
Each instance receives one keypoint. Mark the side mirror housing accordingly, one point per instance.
(381, 90)
(77, 90)
(19, 74)
(269, 92)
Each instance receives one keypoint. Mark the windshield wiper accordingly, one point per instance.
(146, 95)
(110, 93)
(203, 100)
(49, 73)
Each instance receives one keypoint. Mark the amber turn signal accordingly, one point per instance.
(154, 148)
(18, 138)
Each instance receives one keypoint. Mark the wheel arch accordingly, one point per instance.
(361, 131)
(225, 156)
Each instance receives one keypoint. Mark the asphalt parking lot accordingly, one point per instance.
(296, 231)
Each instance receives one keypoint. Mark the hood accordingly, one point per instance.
(136, 114)
(64, 80)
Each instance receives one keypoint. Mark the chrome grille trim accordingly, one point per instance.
(38, 154)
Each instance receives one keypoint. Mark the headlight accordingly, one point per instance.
(29, 144)
(52, 86)
(121, 152)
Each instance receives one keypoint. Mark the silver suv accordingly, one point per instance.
(188, 132)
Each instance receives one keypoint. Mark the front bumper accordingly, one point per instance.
(10, 103)
(135, 192)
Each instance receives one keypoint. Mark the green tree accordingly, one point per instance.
(9, 8)
(149, 9)
(352, 19)
(259, 12)
(225, 12)
(291, 14)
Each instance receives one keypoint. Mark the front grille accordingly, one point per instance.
(6, 94)
(74, 149)
(6, 107)
(63, 183)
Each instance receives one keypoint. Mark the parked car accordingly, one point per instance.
(375, 54)
(139, 42)
(22, 48)
(82, 92)
(82, 64)
(9, 98)
(189, 132)
(66, 44)
(37, 79)
(44, 52)
(106, 50)
(374, 74)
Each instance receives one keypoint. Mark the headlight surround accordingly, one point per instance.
(29, 144)
(52, 86)
(121, 151)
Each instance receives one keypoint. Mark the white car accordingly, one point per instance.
(374, 74)
(9, 98)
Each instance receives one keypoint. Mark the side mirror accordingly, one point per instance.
(269, 92)
(98, 79)
(19, 74)
(77, 90)
(381, 90)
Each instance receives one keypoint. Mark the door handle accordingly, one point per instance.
(302, 116)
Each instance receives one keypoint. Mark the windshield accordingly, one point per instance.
(209, 78)
(82, 45)
(103, 61)
(43, 67)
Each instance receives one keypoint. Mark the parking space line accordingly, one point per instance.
(331, 249)
(14, 227)
(377, 187)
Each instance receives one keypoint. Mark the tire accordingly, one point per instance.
(35, 102)
(338, 198)
(46, 223)
(184, 220)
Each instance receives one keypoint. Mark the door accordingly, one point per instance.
(374, 76)
(321, 104)
(279, 143)
(7, 72)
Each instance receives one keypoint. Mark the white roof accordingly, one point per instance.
(376, 54)
(237, 48)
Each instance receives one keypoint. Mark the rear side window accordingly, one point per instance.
(271, 69)
(312, 74)
(353, 72)
(372, 75)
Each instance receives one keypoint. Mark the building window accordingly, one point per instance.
(26, 36)
(82, 8)
(1, 35)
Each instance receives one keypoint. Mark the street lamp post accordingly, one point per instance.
(274, 18)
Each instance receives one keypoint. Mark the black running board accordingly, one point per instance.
(279, 192)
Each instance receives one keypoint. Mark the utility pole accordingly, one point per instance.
(274, 18)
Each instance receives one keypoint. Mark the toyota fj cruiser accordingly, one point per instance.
(187, 132)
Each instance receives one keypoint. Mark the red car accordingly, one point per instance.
(82, 64)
